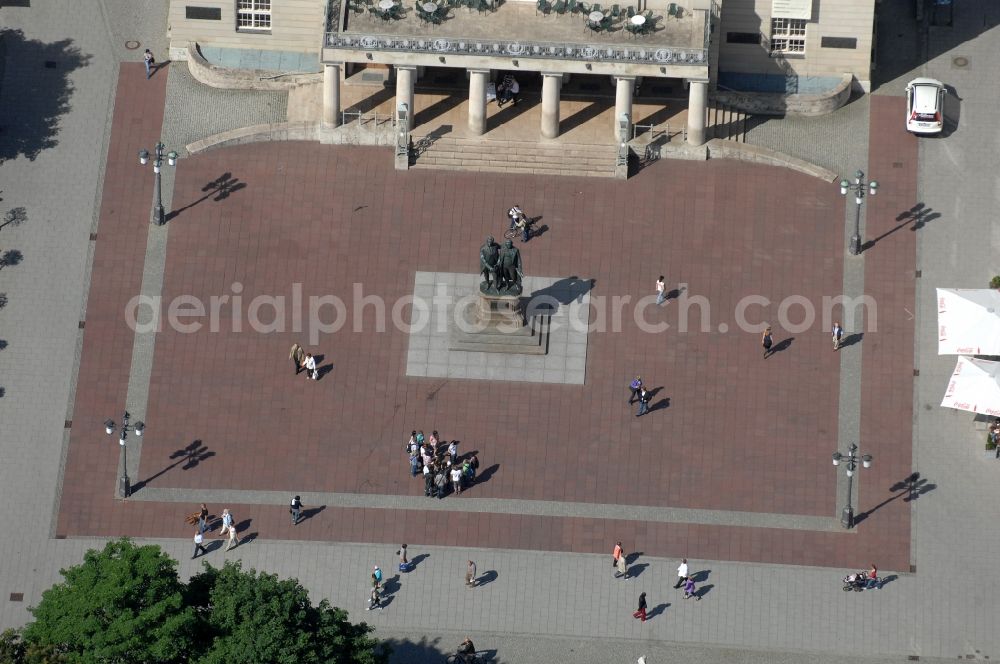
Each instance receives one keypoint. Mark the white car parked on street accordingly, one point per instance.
(925, 106)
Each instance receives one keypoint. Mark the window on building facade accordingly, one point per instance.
(788, 35)
(253, 15)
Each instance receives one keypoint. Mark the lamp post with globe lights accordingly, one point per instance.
(858, 187)
(851, 460)
(124, 487)
(158, 216)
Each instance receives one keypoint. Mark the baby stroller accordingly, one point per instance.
(860, 581)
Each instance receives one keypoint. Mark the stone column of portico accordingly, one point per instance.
(405, 76)
(697, 111)
(623, 101)
(331, 95)
(551, 82)
(477, 100)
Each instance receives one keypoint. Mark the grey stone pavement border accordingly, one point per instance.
(500, 506)
(544, 601)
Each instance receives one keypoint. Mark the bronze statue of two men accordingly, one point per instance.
(501, 268)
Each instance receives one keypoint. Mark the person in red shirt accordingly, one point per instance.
(616, 554)
(872, 577)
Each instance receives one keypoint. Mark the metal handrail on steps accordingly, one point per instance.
(363, 117)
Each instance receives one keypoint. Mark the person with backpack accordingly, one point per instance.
(149, 61)
(376, 578)
(295, 508)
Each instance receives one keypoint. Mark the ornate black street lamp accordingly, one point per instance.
(858, 187)
(158, 217)
(851, 459)
(124, 488)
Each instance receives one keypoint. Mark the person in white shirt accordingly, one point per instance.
(456, 479)
(227, 522)
(199, 545)
(682, 573)
(310, 366)
(661, 290)
(516, 215)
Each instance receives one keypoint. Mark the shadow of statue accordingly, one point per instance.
(547, 301)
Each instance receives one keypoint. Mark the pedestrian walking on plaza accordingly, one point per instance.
(376, 578)
(309, 364)
(616, 553)
(233, 541)
(203, 518)
(470, 575)
(622, 567)
(838, 333)
(404, 564)
(295, 508)
(641, 611)
(766, 341)
(298, 357)
(374, 600)
(227, 522)
(682, 573)
(689, 590)
(199, 544)
(661, 290)
(149, 61)
(644, 398)
(635, 386)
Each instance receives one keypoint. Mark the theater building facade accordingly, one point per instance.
(775, 47)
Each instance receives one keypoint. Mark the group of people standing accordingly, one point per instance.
(440, 464)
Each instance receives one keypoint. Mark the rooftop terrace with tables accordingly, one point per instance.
(665, 36)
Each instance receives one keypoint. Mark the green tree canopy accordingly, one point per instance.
(123, 604)
(261, 618)
(126, 604)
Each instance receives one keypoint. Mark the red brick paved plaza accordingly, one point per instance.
(731, 430)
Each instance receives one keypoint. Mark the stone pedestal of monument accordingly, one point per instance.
(496, 324)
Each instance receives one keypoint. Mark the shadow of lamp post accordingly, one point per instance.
(158, 217)
(124, 488)
(858, 187)
(851, 459)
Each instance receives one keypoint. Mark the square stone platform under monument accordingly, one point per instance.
(564, 301)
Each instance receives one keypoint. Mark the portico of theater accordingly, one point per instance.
(516, 38)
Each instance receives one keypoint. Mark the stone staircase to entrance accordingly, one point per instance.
(727, 123)
(502, 156)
